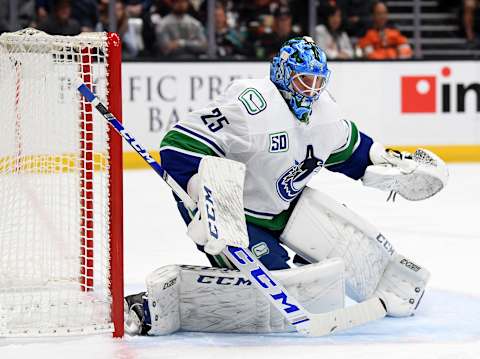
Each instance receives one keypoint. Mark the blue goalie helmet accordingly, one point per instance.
(300, 72)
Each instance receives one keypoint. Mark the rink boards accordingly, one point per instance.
(406, 104)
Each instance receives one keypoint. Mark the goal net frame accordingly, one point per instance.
(85, 58)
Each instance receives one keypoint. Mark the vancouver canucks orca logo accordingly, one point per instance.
(293, 180)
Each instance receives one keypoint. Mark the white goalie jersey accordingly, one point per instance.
(251, 123)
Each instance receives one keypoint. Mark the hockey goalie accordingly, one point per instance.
(284, 129)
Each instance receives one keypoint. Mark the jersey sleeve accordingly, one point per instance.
(216, 130)
(351, 156)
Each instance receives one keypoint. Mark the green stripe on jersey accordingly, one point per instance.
(180, 140)
(277, 223)
(344, 153)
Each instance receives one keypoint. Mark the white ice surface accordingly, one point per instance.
(441, 233)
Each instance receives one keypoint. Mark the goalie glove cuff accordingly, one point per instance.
(379, 155)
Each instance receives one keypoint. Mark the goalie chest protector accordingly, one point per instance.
(252, 123)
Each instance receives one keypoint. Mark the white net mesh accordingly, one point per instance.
(54, 189)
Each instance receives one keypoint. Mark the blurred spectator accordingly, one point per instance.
(151, 21)
(59, 22)
(43, 8)
(228, 40)
(231, 12)
(382, 41)
(332, 38)
(197, 9)
(25, 11)
(257, 16)
(324, 6)
(161, 7)
(179, 34)
(137, 8)
(268, 43)
(130, 43)
(471, 20)
(86, 13)
(300, 18)
(357, 14)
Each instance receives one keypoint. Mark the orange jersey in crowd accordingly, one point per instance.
(388, 43)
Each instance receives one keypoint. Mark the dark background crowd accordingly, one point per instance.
(249, 29)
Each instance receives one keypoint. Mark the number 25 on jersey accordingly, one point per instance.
(215, 121)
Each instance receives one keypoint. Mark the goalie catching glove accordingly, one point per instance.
(414, 177)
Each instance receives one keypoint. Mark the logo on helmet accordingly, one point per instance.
(297, 56)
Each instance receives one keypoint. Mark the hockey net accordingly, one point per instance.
(61, 266)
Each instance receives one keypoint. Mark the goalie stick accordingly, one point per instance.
(303, 321)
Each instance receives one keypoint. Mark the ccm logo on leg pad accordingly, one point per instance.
(410, 265)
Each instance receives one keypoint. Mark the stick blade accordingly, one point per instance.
(346, 318)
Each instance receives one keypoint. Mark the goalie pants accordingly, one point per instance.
(264, 244)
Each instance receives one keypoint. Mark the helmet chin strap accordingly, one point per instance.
(301, 106)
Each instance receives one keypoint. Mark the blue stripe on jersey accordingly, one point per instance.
(355, 166)
(180, 166)
(271, 215)
(209, 141)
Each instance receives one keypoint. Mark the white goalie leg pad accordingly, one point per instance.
(402, 286)
(207, 299)
(320, 228)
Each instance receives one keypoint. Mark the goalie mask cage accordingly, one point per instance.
(61, 264)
